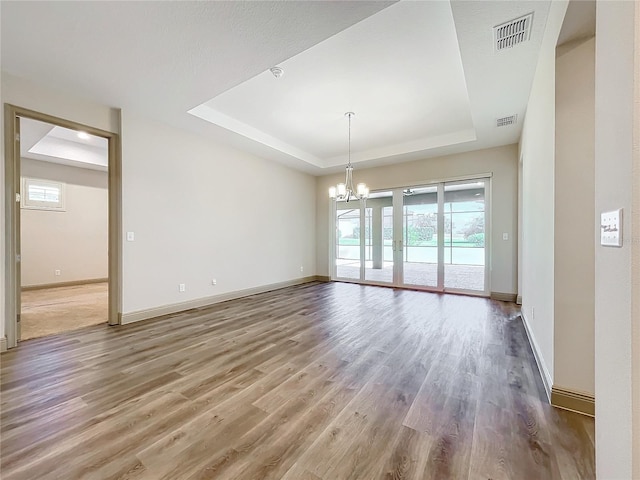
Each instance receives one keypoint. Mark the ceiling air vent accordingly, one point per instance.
(504, 121)
(512, 33)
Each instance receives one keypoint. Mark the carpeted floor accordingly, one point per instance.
(54, 310)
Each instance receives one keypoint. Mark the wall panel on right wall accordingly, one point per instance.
(537, 150)
(614, 186)
(574, 241)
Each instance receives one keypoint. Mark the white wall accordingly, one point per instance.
(635, 255)
(574, 246)
(74, 241)
(537, 152)
(201, 211)
(614, 100)
(501, 161)
(29, 95)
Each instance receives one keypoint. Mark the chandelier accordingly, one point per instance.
(345, 191)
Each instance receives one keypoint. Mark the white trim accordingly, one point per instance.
(547, 380)
(427, 183)
(146, 314)
(3, 344)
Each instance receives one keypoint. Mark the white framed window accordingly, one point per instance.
(42, 194)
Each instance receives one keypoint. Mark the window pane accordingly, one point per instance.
(347, 241)
(42, 193)
(379, 230)
(420, 236)
(464, 245)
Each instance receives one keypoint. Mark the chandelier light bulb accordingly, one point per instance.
(345, 191)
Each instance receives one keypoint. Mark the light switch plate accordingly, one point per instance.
(611, 228)
(131, 236)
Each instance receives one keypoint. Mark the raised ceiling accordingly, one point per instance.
(422, 77)
(50, 143)
(406, 86)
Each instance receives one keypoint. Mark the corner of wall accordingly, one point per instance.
(547, 379)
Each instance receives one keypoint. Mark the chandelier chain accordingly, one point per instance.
(349, 139)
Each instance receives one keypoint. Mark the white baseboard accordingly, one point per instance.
(146, 314)
(3, 344)
(542, 367)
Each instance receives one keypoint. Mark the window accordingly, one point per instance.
(42, 194)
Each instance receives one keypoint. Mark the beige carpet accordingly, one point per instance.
(54, 310)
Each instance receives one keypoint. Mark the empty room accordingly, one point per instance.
(318, 240)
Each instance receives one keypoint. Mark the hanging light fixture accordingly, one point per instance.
(344, 192)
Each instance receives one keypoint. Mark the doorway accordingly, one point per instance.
(63, 229)
(429, 237)
(53, 168)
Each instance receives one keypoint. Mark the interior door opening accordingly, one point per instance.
(64, 229)
(48, 209)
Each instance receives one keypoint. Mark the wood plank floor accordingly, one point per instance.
(319, 381)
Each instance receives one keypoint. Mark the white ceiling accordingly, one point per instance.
(407, 88)
(49, 143)
(422, 77)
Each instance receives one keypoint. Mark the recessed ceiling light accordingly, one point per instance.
(83, 135)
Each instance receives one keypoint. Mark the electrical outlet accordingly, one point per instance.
(214, 282)
(301, 268)
(505, 236)
(533, 313)
(56, 273)
(181, 287)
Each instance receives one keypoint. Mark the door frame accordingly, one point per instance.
(487, 178)
(12, 213)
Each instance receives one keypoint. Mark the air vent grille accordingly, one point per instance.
(504, 121)
(512, 33)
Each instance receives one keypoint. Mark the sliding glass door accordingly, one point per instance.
(431, 237)
(348, 240)
(378, 265)
(420, 239)
(464, 239)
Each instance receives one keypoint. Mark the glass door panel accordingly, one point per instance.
(348, 240)
(420, 236)
(379, 238)
(464, 237)
(431, 237)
